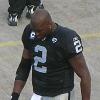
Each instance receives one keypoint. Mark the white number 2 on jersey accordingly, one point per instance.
(41, 59)
(78, 46)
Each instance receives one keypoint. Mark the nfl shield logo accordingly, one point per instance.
(54, 40)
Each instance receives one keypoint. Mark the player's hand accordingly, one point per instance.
(14, 96)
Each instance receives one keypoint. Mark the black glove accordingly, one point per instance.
(14, 96)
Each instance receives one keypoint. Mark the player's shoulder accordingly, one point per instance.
(28, 34)
(27, 29)
(68, 33)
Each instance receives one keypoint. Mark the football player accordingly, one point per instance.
(54, 52)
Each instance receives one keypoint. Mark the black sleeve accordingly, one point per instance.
(72, 44)
(23, 70)
(25, 37)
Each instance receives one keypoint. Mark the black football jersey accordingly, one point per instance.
(52, 74)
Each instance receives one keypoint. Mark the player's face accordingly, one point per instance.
(41, 30)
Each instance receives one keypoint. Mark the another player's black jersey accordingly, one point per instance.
(52, 73)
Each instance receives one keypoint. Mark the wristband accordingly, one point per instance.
(14, 96)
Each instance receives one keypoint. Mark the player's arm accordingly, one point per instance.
(23, 69)
(79, 65)
(74, 50)
(22, 74)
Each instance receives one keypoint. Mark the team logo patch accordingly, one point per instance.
(54, 40)
(32, 35)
